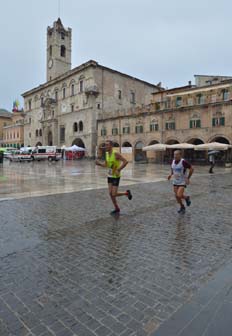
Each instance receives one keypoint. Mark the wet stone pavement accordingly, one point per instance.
(69, 268)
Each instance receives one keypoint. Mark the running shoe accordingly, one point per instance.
(188, 201)
(182, 210)
(115, 212)
(129, 195)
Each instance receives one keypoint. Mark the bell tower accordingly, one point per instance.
(59, 49)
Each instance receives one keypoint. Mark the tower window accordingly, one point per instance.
(62, 51)
(64, 93)
(62, 36)
(50, 51)
(56, 95)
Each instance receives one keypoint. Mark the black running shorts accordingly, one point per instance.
(114, 181)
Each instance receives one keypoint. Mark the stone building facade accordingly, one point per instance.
(65, 110)
(193, 114)
(13, 131)
(5, 118)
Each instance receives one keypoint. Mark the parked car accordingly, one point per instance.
(19, 156)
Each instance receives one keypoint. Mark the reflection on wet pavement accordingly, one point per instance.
(29, 179)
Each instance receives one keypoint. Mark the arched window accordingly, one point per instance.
(75, 127)
(81, 126)
(40, 132)
(36, 133)
(72, 90)
(50, 51)
(62, 51)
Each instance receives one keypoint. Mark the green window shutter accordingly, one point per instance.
(191, 124)
(166, 126)
(213, 122)
(198, 123)
(150, 127)
(222, 121)
(156, 127)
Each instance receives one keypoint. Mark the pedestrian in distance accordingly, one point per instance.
(115, 163)
(179, 169)
(212, 163)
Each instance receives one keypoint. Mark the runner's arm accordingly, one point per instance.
(122, 159)
(170, 176)
(190, 168)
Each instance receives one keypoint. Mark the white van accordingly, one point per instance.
(51, 153)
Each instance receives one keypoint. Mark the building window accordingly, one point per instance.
(196, 123)
(220, 121)
(170, 125)
(99, 106)
(56, 96)
(41, 101)
(72, 89)
(17, 135)
(64, 93)
(115, 131)
(154, 127)
(200, 99)
(29, 104)
(178, 101)
(62, 35)
(62, 134)
(29, 135)
(36, 133)
(103, 131)
(132, 97)
(81, 126)
(50, 51)
(119, 94)
(72, 108)
(75, 127)
(81, 84)
(139, 129)
(62, 51)
(40, 132)
(225, 94)
(126, 130)
(29, 120)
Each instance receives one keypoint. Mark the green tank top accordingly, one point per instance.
(113, 164)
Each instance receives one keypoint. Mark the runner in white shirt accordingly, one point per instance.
(180, 179)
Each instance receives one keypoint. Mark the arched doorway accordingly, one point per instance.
(50, 138)
(78, 142)
(38, 144)
(127, 151)
(194, 156)
(139, 155)
(222, 156)
(220, 139)
(168, 156)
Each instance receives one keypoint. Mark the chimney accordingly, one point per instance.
(190, 83)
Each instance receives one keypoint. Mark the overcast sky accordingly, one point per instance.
(157, 41)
